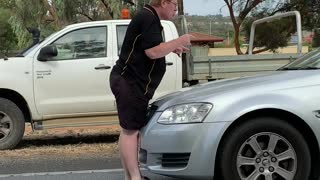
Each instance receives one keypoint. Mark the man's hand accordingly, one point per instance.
(180, 50)
(185, 40)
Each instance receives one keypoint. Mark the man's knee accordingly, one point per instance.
(130, 132)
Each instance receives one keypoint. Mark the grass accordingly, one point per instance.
(67, 142)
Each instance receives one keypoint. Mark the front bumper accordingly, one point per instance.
(181, 150)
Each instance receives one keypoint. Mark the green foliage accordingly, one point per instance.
(8, 39)
(88, 10)
(52, 15)
(24, 17)
(270, 35)
(316, 39)
(7, 4)
(310, 12)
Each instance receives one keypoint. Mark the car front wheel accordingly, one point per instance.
(265, 149)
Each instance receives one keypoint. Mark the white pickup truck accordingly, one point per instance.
(63, 81)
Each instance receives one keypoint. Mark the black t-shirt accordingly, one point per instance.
(144, 32)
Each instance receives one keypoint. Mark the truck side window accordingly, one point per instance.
(82, 44)
(121, 32)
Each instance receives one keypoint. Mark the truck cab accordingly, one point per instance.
(64, 80)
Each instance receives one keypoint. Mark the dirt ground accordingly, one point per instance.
(67, 142)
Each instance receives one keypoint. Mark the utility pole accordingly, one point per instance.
(180, 7)
(210, 27)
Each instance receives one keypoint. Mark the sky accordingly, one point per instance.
(205, 7)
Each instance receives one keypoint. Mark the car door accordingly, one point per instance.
(76, 80)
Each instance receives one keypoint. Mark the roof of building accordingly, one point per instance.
(201, 38)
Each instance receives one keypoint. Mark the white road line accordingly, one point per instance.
(63, 173)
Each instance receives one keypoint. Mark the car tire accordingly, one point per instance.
(12, 124)
(283, 153)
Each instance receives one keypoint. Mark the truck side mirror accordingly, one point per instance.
(47, 52)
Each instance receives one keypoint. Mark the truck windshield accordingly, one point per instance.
(310, 60)
(26, 51)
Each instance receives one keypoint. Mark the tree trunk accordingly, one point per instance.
(236, 39)
(53, 13)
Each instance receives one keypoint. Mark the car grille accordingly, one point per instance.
(175, 160)
(142, 156)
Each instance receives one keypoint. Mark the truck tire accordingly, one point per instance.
(264, 149)
(12, 124)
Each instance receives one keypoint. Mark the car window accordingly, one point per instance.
(121, 32)
(82, 44)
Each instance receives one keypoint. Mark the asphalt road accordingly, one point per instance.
(107, 174)
(46, 166)
(81, 168)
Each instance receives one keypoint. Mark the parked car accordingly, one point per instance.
(263, 127)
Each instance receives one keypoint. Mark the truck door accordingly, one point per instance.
(170, 81)
(76, 81)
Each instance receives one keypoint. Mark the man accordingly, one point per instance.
(138, 73)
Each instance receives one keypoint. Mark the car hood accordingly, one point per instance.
(11, 60)
(266, 82)
(14, 65)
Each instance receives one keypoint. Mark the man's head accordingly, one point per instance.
(166, 9)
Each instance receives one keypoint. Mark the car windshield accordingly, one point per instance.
(310, 60)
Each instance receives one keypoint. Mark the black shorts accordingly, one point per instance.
(132, 104)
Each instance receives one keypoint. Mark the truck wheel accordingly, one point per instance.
(264, 149)
(193, 82)
(11, 124)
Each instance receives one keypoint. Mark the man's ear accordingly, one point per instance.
(163, 3)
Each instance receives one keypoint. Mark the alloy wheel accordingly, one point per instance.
(266, 156)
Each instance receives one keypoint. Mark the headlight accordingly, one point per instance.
(185, 113)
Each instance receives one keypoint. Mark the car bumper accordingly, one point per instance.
(181, 150)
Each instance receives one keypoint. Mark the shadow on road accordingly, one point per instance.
(52, 140)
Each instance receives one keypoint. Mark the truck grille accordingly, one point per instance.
(175, 160)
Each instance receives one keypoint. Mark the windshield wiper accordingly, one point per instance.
(289, 68)
(309, 68)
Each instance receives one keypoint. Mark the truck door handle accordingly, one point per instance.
(102, 67)
(169, 63)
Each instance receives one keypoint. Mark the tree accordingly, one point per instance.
(249, 10)
(275, 34)
(8, 39)
(310, 10)
(272, 35)
(51, 15)
(316, 38)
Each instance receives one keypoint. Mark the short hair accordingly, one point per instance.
(155, 2)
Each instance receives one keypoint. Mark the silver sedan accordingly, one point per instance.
(264, 127)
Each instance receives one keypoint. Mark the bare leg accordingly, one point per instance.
(128, 147)
(125, 169)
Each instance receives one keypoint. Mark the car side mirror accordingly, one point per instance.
(47, 52)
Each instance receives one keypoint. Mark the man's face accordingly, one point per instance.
(171, 7)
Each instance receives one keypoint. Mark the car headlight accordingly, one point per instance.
(185, 113)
